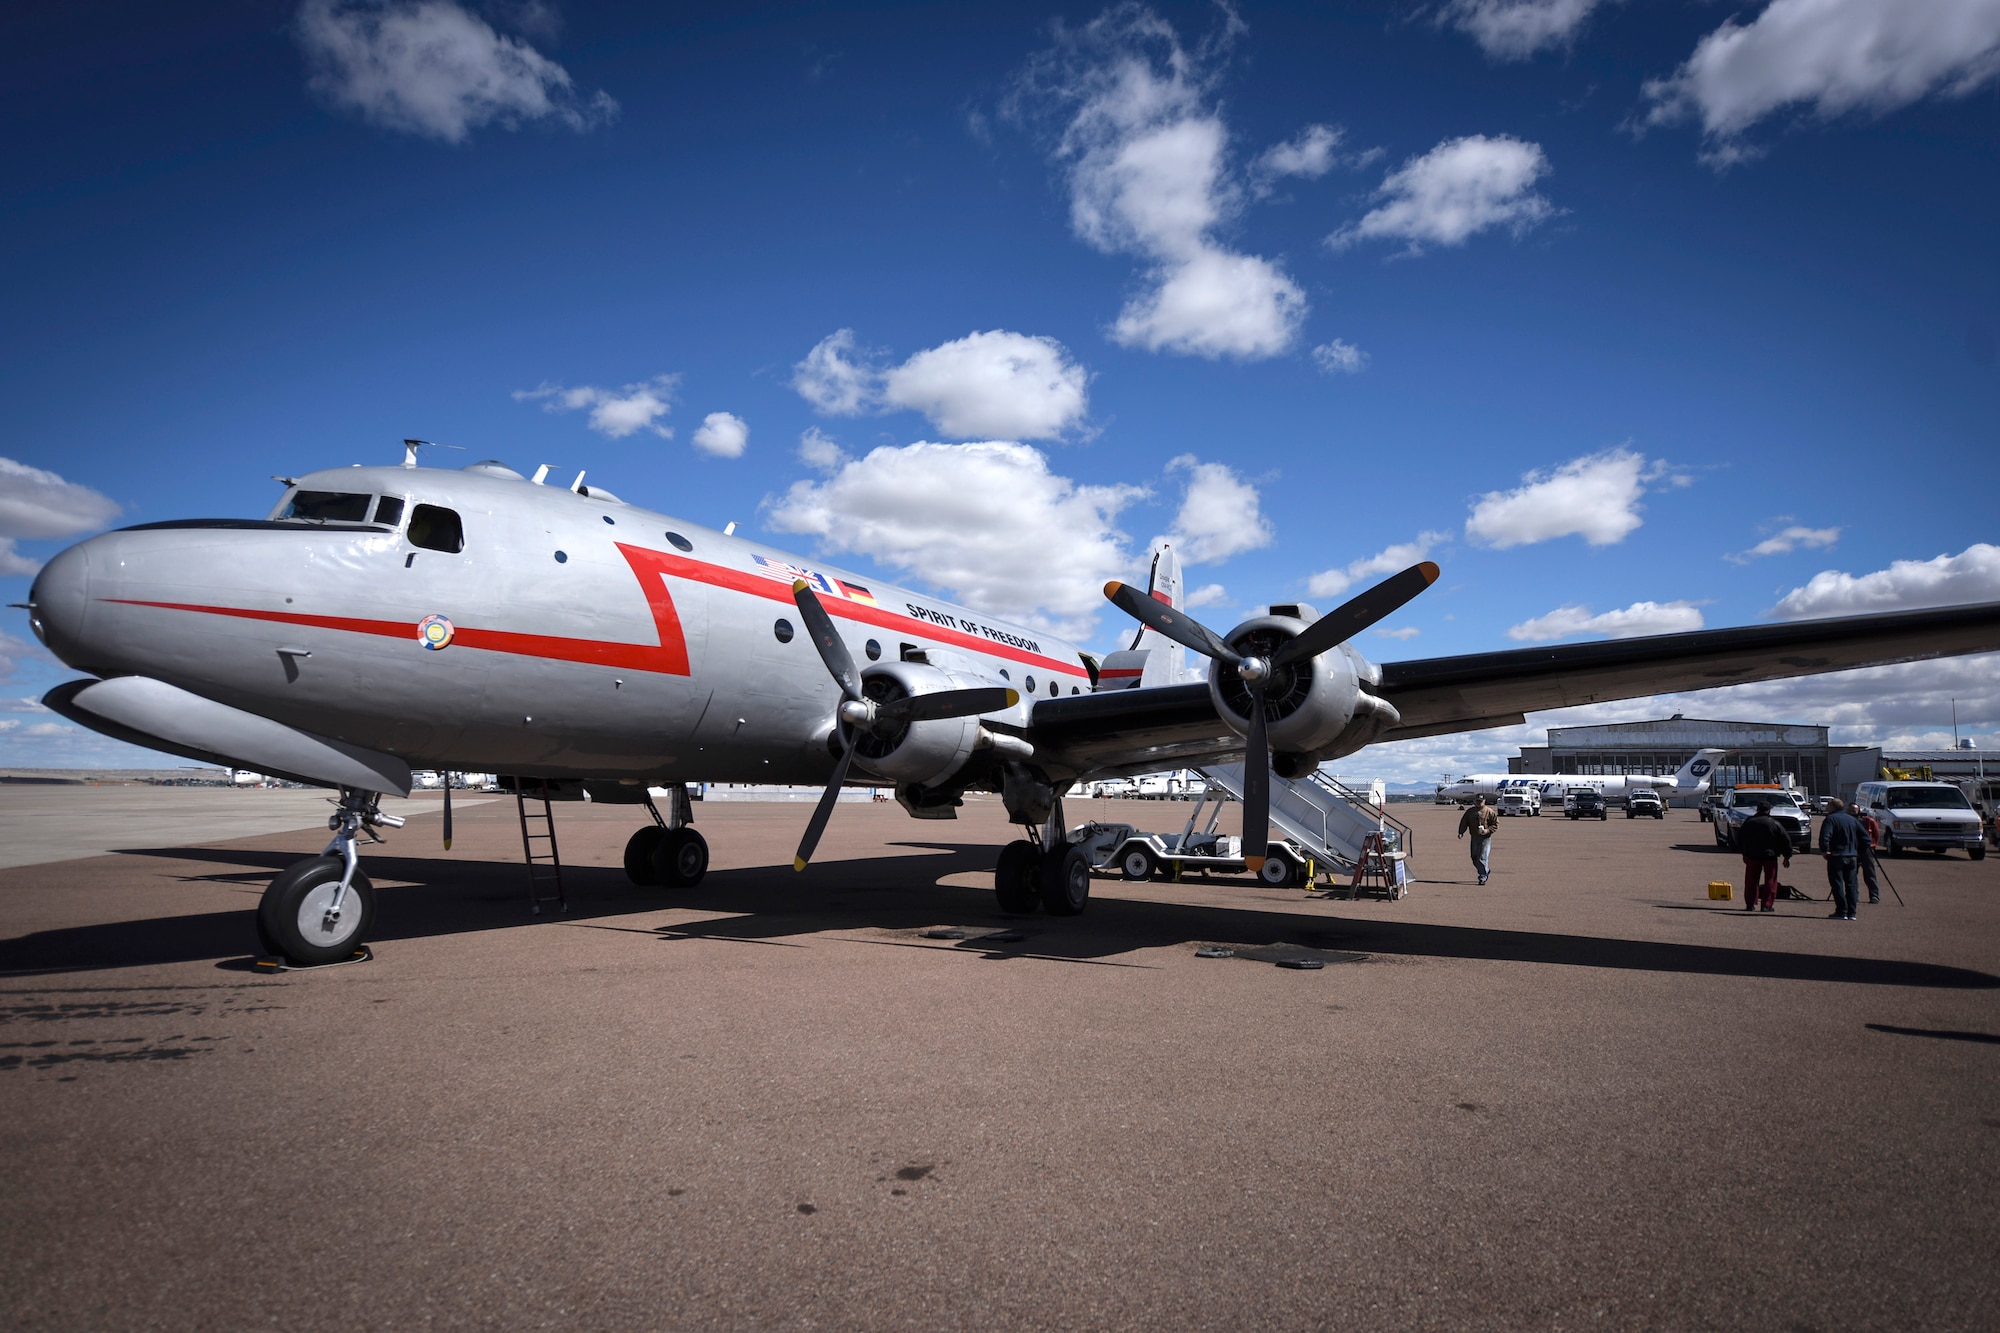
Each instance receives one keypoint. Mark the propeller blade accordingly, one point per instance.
(1357, 614)
(1157, 615)
(824, 810)
(947, 703)
(447, 812)
(819, 628)
(1256, 787)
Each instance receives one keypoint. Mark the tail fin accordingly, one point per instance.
(1693, 775)
(1166, 661)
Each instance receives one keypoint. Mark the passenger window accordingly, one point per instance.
(1055, 688)
(328, 507)
(389, 510)
(436, 529)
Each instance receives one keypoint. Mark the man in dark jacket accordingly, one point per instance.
(1840, 839)
(1871, 833)
(1481, 822)
(1762, 840)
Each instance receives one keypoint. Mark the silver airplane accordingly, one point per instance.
(385, 618)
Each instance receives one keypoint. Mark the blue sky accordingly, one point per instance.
(1587, 301)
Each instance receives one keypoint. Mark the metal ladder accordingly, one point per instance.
(544, 867)
(1334, 823)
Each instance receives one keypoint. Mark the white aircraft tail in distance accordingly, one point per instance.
(1692, 776)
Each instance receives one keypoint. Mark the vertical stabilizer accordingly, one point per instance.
(1166, 661)
(1693, 775)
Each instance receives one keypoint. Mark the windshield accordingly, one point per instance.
(328, 507)
(1776, 800)
(1925, 798)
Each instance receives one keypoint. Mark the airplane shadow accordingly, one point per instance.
(772, 905)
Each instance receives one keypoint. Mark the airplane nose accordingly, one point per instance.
(59, 602)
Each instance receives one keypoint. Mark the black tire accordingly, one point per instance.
(639, 849)
(1976, 853)
(1894, 850)
(680, 858)
(1278, 870)
(1017, 878)
(291, 920)
(1066, 882)
(1138, 863)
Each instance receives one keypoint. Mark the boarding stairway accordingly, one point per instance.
(1332, 822)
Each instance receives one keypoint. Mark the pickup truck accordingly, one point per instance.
(1585, 803)
(1646, 802)
(1739, 803)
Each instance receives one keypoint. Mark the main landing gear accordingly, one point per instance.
(318, 910)
(1045, 871)
(668, 852)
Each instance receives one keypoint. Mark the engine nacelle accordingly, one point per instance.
(1313, 710)
(924, 752)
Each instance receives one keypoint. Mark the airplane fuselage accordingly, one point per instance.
(570, 635)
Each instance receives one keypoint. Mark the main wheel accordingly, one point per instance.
(1017, 877)
(1137, 864)
(1976, 853)
(1277, 870)
(295, 917)
(680, 858)
(639, 849)
(1066, 882)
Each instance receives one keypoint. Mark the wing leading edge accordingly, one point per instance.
(1139, 730)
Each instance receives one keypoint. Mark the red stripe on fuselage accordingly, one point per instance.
(669, 657)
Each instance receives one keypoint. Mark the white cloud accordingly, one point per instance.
(820, 452)
(1637, 619)
(1459, 188)
(1595, 497)
(613, 412)
(1147, 154)
(723, 434)
(992, 384)
(1405, 633)
(1311, 155)
(1791, 539)
(1834, 56)
(1220, 516)
(12, 652)
(1209, 594)
(429, 67)
(36, 505)
(834, 378)
(1516, 29)
(1339, 358)
(1390, 560)
(1973, 575)
(987, 522)
(995, 384)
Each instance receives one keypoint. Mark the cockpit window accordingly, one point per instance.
(328, 507)
(389, 510)
(436, 529)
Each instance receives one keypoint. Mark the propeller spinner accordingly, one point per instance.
(1329, 631)
(860, 713)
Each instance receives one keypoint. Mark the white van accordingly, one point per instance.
(1922, 816)
(1521, 801)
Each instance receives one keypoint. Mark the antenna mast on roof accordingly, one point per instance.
(410, 448)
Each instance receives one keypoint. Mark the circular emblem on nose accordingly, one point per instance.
(434, 633)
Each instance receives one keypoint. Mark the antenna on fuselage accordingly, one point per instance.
(577, 485)
(541, 474)
(410, 448)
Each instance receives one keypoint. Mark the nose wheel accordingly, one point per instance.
(319, 910)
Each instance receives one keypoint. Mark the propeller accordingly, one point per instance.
(447, 811)
(860, 713)
(1329, 631)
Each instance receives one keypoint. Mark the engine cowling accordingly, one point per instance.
(924, 752)
(1314, 710)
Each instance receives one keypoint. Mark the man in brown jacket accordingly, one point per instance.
(1480, 820)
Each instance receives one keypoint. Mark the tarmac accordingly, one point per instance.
(1583, 1096)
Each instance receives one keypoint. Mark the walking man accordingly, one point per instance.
(1840, 839)
(1480, 820)
(1763, 841)
(1871, 832)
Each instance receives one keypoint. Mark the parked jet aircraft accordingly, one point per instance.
(1688, 778)
(389, 617)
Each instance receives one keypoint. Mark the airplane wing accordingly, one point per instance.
(1142, 730)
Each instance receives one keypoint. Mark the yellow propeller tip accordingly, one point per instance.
(798, 863)
(1013, 697)
(1430, 571)
(1112, 588)
(1256, 863)
(447, 844)
(800, 585)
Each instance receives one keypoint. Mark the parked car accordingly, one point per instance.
(1585, 803)
(1645, 802)
(1923, 816)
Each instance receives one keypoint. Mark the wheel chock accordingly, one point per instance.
(273, 965)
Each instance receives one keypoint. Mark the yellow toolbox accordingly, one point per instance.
(1721, 890)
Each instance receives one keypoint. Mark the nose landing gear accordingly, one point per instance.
(318, 910)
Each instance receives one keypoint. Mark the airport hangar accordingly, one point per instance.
(1758, 752)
